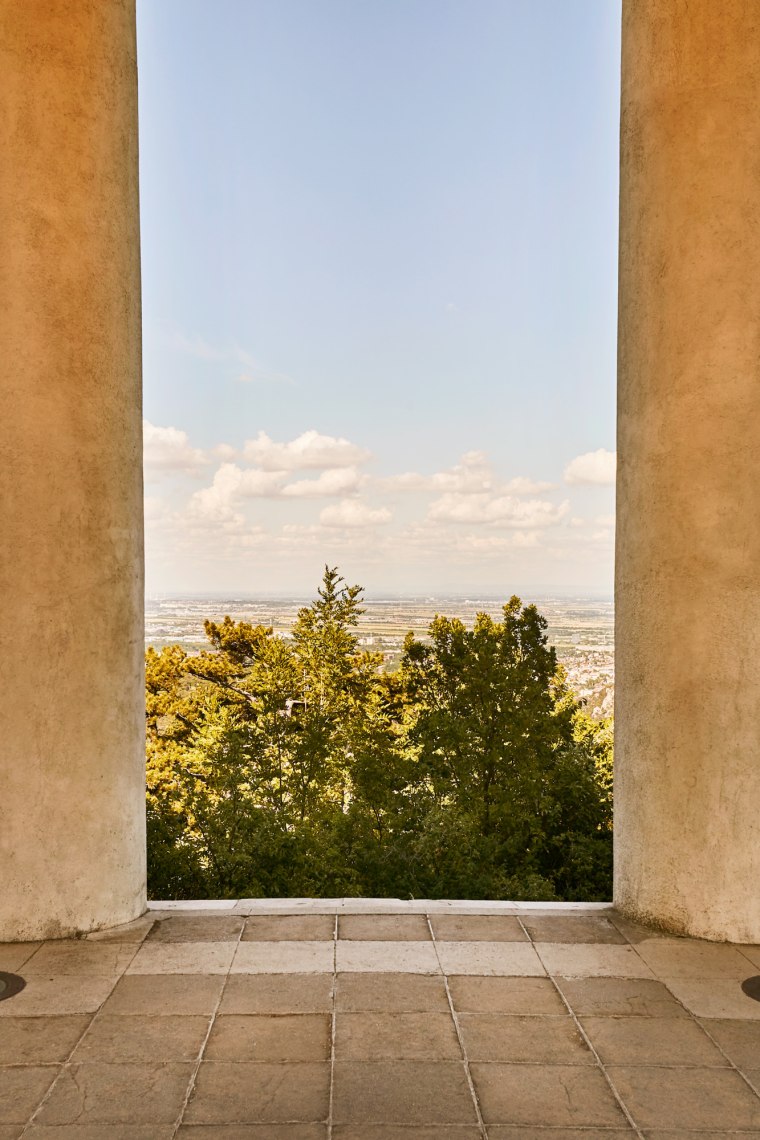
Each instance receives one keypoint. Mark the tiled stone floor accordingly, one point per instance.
(379, 1020)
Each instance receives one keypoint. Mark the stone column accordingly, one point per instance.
(687, 786)
(72, 803)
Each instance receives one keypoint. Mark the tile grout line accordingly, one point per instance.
(199, 1060)
(586, 1038)
(692, 1015)
(66, 1065)
(333, 1020)
(460, 1036)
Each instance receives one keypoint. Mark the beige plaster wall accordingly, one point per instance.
(687, 823)
(72, 809)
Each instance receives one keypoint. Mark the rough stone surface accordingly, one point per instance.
(687, 716)
(72, 831)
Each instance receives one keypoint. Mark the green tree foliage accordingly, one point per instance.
(299, 767)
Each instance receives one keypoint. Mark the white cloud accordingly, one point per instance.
(500, 510)
(225, 451)
(169, 449)
(521, 485)
(308, 451)
(473, 475)
(353, 513)
(594, 468)
(333, 481)
(232, 483)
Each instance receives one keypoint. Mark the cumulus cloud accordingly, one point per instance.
(499, 510)
(473, 475)
(595, 468)
(333, 481)
(167, 449)
(308, 451)
(353, 513)
(233, 484)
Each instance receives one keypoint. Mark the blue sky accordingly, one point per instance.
(379, 288)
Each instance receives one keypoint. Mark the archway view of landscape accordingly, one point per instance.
(379, 249)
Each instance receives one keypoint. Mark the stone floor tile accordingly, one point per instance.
(259, 1093)
(753, 1076)
(387, 957)
(686, 1098)
(183, 958)
(384, 927)
(49, 996)
(268, 1037)
(751, 953)
(253, 1132)
(679, 1134)
(134, 931)
(391, 993)
(277, 993)
(715, 997)
(635, 932)
(97, 959)
(14, 954)
(40, 1040)
(11, 1131)
(619, 997)
(159, 994)
(559, 1096)
(98, 1132)
(117, 1094)
(406, 1132)
(284, 958)
(396, 1037)
(477, 928)
(687, 958)
(22, 1089)
(402, 1092)
(587, 929)
(505, 995)
(739, 1040)
(541, 1040)
(520, 1132)
(290, 928)
(651, 1041)
(489, 958)
(118, 1040)
(586, 960)
(197, 928)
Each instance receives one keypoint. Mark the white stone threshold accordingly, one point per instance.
(377, 906)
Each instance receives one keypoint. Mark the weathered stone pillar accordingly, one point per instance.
(72, 807)
(687, 810)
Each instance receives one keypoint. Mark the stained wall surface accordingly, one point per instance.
(72, 807)
(687, 720)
